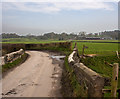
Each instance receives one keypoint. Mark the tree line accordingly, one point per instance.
(65, 36)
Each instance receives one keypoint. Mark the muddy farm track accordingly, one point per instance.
(38, 76)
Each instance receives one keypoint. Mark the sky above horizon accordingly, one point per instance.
(42, 17)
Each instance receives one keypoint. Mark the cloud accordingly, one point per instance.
(84, 5)
(60, 0)
(32, 7)
(51, 7)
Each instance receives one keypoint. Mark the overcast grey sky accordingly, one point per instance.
(43, 17)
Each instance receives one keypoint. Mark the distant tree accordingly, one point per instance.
(11, 35)
(96, 34)
(82, 33)
(110, 34)
(90, 35)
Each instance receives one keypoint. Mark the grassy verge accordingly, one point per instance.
(98, 65)
(70, 83)
(8, 66)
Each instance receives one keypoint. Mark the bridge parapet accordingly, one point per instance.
(7, 58)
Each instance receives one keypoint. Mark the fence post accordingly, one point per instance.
(114, 79)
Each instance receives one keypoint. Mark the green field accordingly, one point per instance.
(97, 48)
(32, 40)
(96, 40)
(28, 41)
(104, 51)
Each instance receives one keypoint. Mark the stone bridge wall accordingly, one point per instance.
(91, 82)
(11, 57)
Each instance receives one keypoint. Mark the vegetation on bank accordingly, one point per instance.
(20, 60)
(98, 64)
(70, 82)
(105, 52)
(60, 46)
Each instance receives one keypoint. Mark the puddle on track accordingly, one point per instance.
(57, 57)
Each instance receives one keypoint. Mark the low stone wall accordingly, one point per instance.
(11, 57)
(91, 82)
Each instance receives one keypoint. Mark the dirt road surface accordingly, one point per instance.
(33, 78)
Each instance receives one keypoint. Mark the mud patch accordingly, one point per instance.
(19, 89)
(13, 91)
(58, 62)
